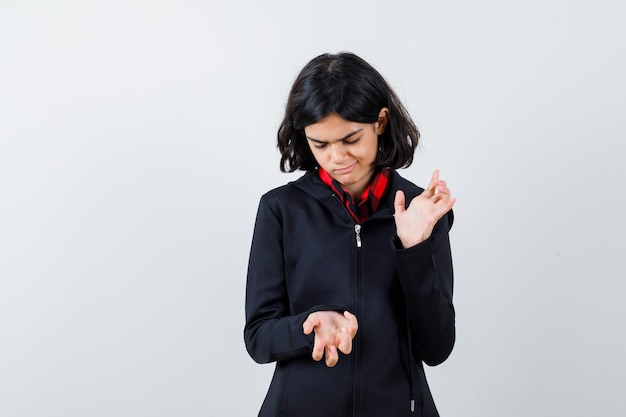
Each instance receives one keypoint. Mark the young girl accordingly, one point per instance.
(341, 267)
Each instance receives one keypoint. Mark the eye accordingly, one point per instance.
(320, 146)
(351, 142)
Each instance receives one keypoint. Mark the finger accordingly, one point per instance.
(353, 324)
(331, 356)
(442, 196)
(318, 349)
(434, 180)
(398, 202)
(309, 324)
(345, 344)
(432, 185)
(444, 206)
(443, 190)
(441, 186)
(450, 204)
(443, 200)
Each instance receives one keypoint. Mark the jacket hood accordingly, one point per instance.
(311, 184)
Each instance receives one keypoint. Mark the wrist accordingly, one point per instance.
(406, 242)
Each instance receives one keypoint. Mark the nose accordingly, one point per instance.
(338, 152)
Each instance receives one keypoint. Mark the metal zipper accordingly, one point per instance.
(357, 300)
(357, 230)
(357, 290)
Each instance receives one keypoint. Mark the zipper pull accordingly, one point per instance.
(412, 406)
(357, 230)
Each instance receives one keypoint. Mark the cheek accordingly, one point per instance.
(318, 154)
(369, 153)
(312, 149)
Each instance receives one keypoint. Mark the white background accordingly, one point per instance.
(136, 138)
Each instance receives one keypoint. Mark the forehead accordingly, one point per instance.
(332, 127)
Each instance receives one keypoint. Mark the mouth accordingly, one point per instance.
(346, 170)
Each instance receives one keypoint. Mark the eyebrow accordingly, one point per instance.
(338, 140)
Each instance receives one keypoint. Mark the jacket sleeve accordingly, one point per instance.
(271, 333)
(426, 277)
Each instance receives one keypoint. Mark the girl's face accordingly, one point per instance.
(345, 149)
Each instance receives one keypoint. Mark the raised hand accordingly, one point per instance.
(333, 331)
(415, 224)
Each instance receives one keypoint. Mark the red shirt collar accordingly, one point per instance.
(370, 197)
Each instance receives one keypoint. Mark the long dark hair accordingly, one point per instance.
(347, 85)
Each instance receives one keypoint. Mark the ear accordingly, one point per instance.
(381, 123)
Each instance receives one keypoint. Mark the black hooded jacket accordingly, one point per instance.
(308, 255)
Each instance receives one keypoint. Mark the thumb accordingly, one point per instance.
(309, 324)
(398, 202)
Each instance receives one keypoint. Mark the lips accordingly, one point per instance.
(345, 170)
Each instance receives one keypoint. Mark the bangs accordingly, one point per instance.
(344, 91)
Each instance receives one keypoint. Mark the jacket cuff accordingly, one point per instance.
(411, 253)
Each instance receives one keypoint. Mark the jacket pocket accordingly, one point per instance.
(272, 404)
(312, 389)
